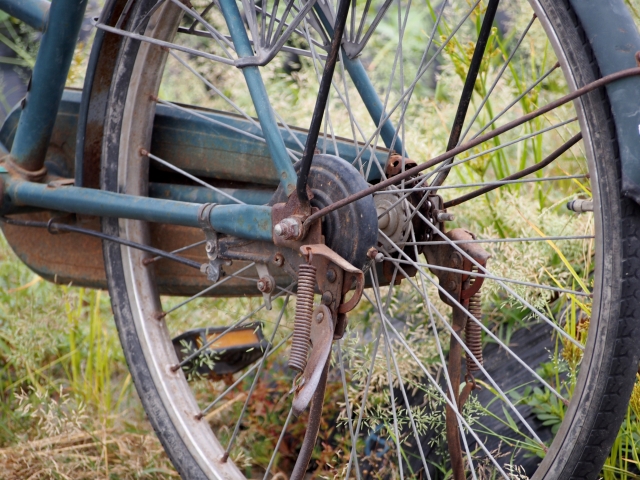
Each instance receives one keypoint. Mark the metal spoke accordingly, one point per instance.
(352, 456)
(441, 392)
(500, 282)
(255, 379)
(148, 261)
(489, 277)
(190, 177)
(490, 334)
(347, 403)
(481, 184)
(504, 240)
(162, 43)
(393, 408)
(217, 36)
(517, 99)
(497, 79)
(230, 328)
(275, 450)
(242, 377)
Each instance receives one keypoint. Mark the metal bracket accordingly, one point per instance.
(266, 284)
(321, 340)
(213, 269)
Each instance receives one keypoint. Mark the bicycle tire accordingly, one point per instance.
(604, 386)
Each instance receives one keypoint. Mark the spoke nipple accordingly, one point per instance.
(199, 416)
(153, 98)
(224, 457)
(147, 261)
(379, 257)
(174, 368)
(143, 152)
(160, 315)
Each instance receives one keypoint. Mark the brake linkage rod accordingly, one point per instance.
(630, 72)
(54, 228)
(321, 104)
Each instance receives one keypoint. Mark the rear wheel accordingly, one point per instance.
(555, 314)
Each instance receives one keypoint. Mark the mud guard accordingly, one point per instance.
(615, 40)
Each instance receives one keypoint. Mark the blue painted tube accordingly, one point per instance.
(41, 104)
(188, 193)
(34, 13)
(372, 101)
(267, 118)
(367, 91)
(246, 221)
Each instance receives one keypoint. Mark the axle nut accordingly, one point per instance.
(289, 228)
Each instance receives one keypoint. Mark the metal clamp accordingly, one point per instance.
(214, 267)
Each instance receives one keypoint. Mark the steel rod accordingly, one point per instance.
(321, 104)
(630, 72)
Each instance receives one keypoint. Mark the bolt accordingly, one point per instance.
(372, 253)
(327, 298)
(209, 247)
(320, 317)
(278, 259)
(445, 217)
(289, 228)
(265, 285)
(331, 275)
(379, 257)
(451, 285)
(455, 259)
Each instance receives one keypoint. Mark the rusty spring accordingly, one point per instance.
(302, 322)
(473, 332)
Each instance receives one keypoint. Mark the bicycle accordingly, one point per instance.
(191, 194)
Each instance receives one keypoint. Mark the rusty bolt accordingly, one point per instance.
(265, 285)
(451, 285)
(331, 275)
(372, 253)
(455, 259)
(445, 217)
(289, 228)
(278, 259)
(320, 317)
(327, 298)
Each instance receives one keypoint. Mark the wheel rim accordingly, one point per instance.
(156, 338)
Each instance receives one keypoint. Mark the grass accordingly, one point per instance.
(67, 405)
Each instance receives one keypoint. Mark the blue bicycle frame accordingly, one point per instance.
(61, 24)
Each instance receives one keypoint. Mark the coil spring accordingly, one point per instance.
(302, 322)
(473, 332)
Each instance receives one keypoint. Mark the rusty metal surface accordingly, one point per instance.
(321, 335)
(77, 259)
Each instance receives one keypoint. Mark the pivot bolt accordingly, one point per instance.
(289, 228)
(331, 275)
(265, 285)
(327, 298)
(320, 317)
(209, 247)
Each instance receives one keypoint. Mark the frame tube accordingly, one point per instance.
(258, 92)
(40, 106)
(34, 13)
(245, 221)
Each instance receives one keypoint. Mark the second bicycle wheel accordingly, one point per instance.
(552, 319)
